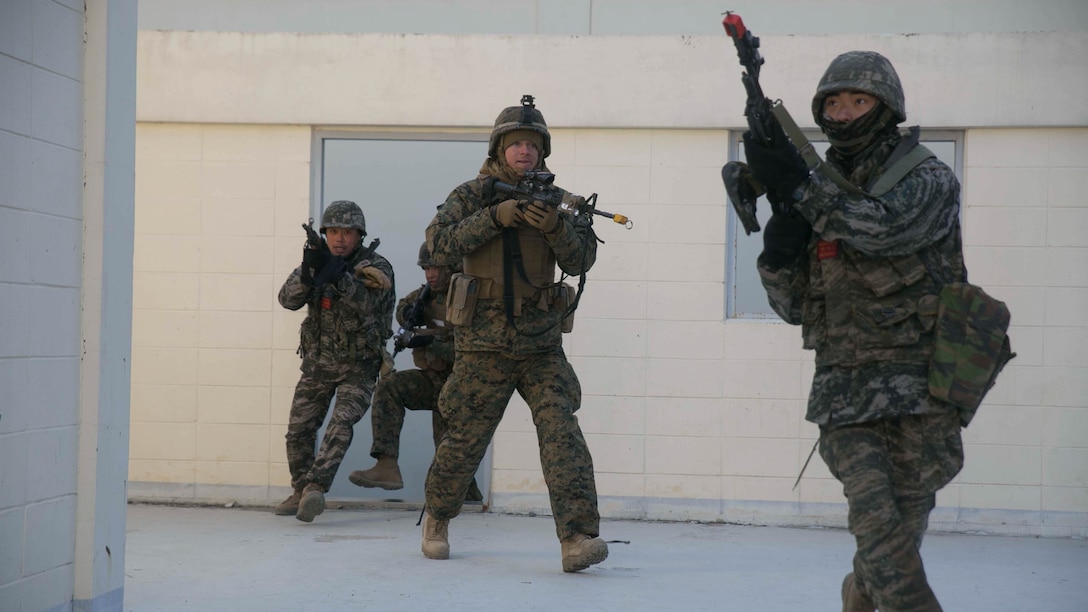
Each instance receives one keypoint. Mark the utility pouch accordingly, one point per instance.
(461, 302)
(563, 299)
(972, 347)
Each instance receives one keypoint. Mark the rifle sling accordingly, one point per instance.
(901, 162)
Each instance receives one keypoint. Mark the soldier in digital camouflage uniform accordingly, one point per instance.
(511, 339)
(349, 297)
(861, 274)
(413, 389)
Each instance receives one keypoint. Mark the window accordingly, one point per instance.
(745, 298)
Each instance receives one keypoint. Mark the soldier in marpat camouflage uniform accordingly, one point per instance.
(861, 273)
(349, 296)
(509, 312)
(415, 389)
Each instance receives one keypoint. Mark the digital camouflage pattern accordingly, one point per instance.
(473, 402)
(890, 471)
(400, 390)
(342, 344)
(415, 389)
(865, 71)
(462, 225)
(344, 213)
(972, 347)
(865, 292)
(495, 358)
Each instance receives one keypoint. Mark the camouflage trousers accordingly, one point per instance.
(353, 388)
(473, 402)
(411, 389)
(891, 471)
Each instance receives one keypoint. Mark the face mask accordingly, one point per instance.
(852, 137)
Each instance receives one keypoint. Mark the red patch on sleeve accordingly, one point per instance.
(827, 249)
(326, 303)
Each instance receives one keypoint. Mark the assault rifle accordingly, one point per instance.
(313, 239)
(537, 185)
(760, 112)
(770, 124)
(409, 336)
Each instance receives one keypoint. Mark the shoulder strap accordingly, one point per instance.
(907, 162)
(899, 169)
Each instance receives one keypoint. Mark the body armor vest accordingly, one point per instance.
(537, 262)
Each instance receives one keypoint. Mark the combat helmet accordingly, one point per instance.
(866, 71)
(343, 213)
(524, 117)
(425, 260)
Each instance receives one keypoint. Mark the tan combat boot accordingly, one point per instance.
(581, 551)
(289, 506)
(312, 503)
(853, 599)
(385, 474)
(436, 537)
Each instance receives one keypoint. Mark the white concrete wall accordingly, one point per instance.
(64, 333)
(689, 416)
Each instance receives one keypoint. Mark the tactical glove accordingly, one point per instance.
(312, 261)
(778, 167)
(372, 277)
(331, 272)
(507, 214)
(544, 218)
(784, 239)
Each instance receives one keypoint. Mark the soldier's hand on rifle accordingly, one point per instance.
(507, 214)
(778, 167)
(544, 218)
(372, 277)
(785, 238)
(331, 272)
(312, 261)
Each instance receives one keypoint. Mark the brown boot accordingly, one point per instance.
(312, 503)
(581, 551)
(853, 598)
(385, 474)
(436, 537)
(289, 506)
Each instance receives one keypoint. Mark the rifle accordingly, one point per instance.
(408, 336)
(770, 124)
(537, 185)
(313, 239)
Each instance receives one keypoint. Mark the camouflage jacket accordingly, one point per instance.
(865, 291)
(345, 323)
(463, 224)
(438, 355)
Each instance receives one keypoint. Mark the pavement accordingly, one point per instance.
(242, 559)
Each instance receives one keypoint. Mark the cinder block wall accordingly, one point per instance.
(214, 362)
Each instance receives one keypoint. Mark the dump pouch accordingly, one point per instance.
(461, 302)
(972, 347)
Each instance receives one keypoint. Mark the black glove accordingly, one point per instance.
(785, 238)
(778, 167)
(312, 261)
(333, 269)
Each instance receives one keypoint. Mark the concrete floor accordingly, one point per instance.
(240, 559)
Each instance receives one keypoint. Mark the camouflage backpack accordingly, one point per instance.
(972, 347)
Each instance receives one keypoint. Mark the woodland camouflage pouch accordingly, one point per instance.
(972, 347)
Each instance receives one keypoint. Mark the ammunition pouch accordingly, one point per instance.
(461, 302)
